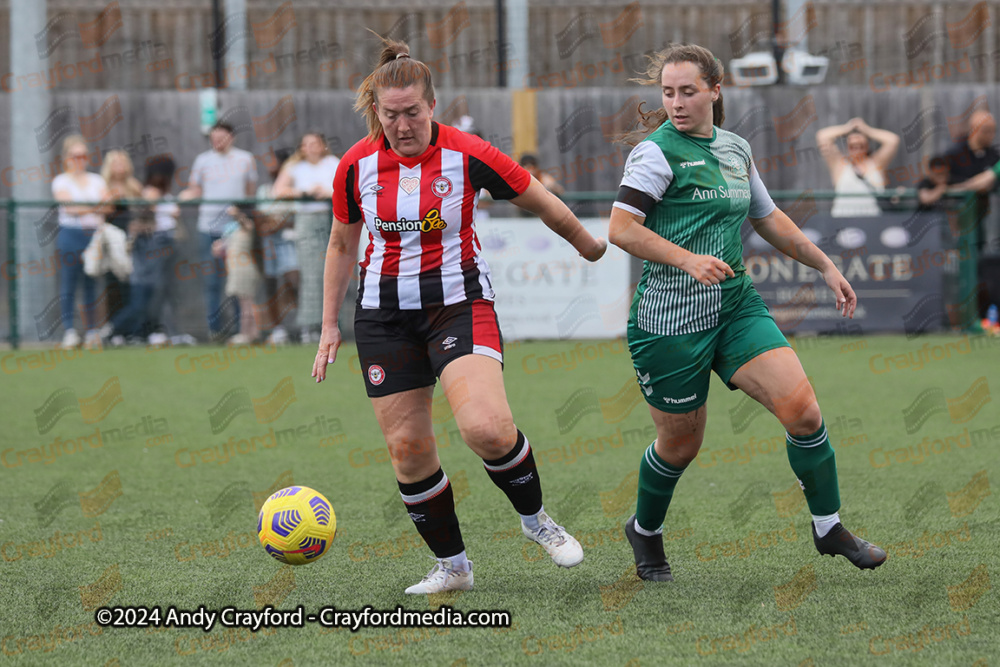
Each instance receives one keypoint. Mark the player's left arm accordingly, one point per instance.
(775, 227)
(778, 229)
(494, 171)
(557, 217)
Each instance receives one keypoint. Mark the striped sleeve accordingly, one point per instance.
(491, 169)
(345, 205)
(647, 176)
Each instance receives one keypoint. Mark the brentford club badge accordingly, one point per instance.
(441, 186)
(376, 374)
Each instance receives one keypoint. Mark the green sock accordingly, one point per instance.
(815, 465)
(657, 480)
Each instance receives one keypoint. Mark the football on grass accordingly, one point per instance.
(296, 525)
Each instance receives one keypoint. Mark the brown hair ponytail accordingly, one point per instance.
(711, 70)
(395, 69)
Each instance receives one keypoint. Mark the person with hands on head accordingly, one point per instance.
(425, 304)
(861, 171)
(688, 186)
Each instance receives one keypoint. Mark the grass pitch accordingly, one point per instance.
(131, 478)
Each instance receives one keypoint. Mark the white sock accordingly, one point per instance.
(642, 531)
(533, 521)
(825, 523)
(459, 562)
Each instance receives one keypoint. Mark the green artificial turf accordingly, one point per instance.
(750, 587)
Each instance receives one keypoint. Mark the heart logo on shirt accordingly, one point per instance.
(409, 184)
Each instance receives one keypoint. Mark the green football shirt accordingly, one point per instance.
(695, 192)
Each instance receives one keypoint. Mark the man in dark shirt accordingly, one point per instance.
(971, 163)
(975, 153)
(972, 156)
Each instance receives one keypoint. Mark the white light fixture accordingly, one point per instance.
(754, 69)
(804, 69)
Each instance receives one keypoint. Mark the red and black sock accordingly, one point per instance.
(431, 505)
(516, 475)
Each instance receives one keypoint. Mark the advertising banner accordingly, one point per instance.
(545, 290)
(895, 263)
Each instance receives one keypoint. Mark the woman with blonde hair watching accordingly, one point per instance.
(77, 224)
(119, 174)
(309, 175)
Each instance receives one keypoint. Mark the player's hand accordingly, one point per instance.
(329, 343)
(847, 300)
(707, 269)
(597, 250)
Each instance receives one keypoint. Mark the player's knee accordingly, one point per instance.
(679, 450)
(798, 407)
(491, 437)
(808, 419)
(413, 456)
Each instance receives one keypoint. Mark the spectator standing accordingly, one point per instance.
(159, 176)
(224, 172)
(240, 246)
(151, 231)
(77, 224)
(119, 174)
(971, 156)
(309, 175)
(281, 261)
(859, 172)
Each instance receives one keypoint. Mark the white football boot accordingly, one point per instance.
(443, 578)
(560, 545)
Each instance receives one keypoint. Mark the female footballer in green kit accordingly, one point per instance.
(687, 188)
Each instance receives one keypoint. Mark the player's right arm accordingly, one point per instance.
(629, 233)
(341, 256)
(647, 177)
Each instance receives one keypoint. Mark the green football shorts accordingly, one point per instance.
(674, 371)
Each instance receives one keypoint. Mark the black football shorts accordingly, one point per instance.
(401, 350)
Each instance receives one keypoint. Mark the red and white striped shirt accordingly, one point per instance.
(420, 212)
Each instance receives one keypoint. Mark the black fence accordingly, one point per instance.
(915, 270)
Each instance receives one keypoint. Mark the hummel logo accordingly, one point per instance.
(448, 342)
(415, 516)
(523, 480)
(699, 163)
